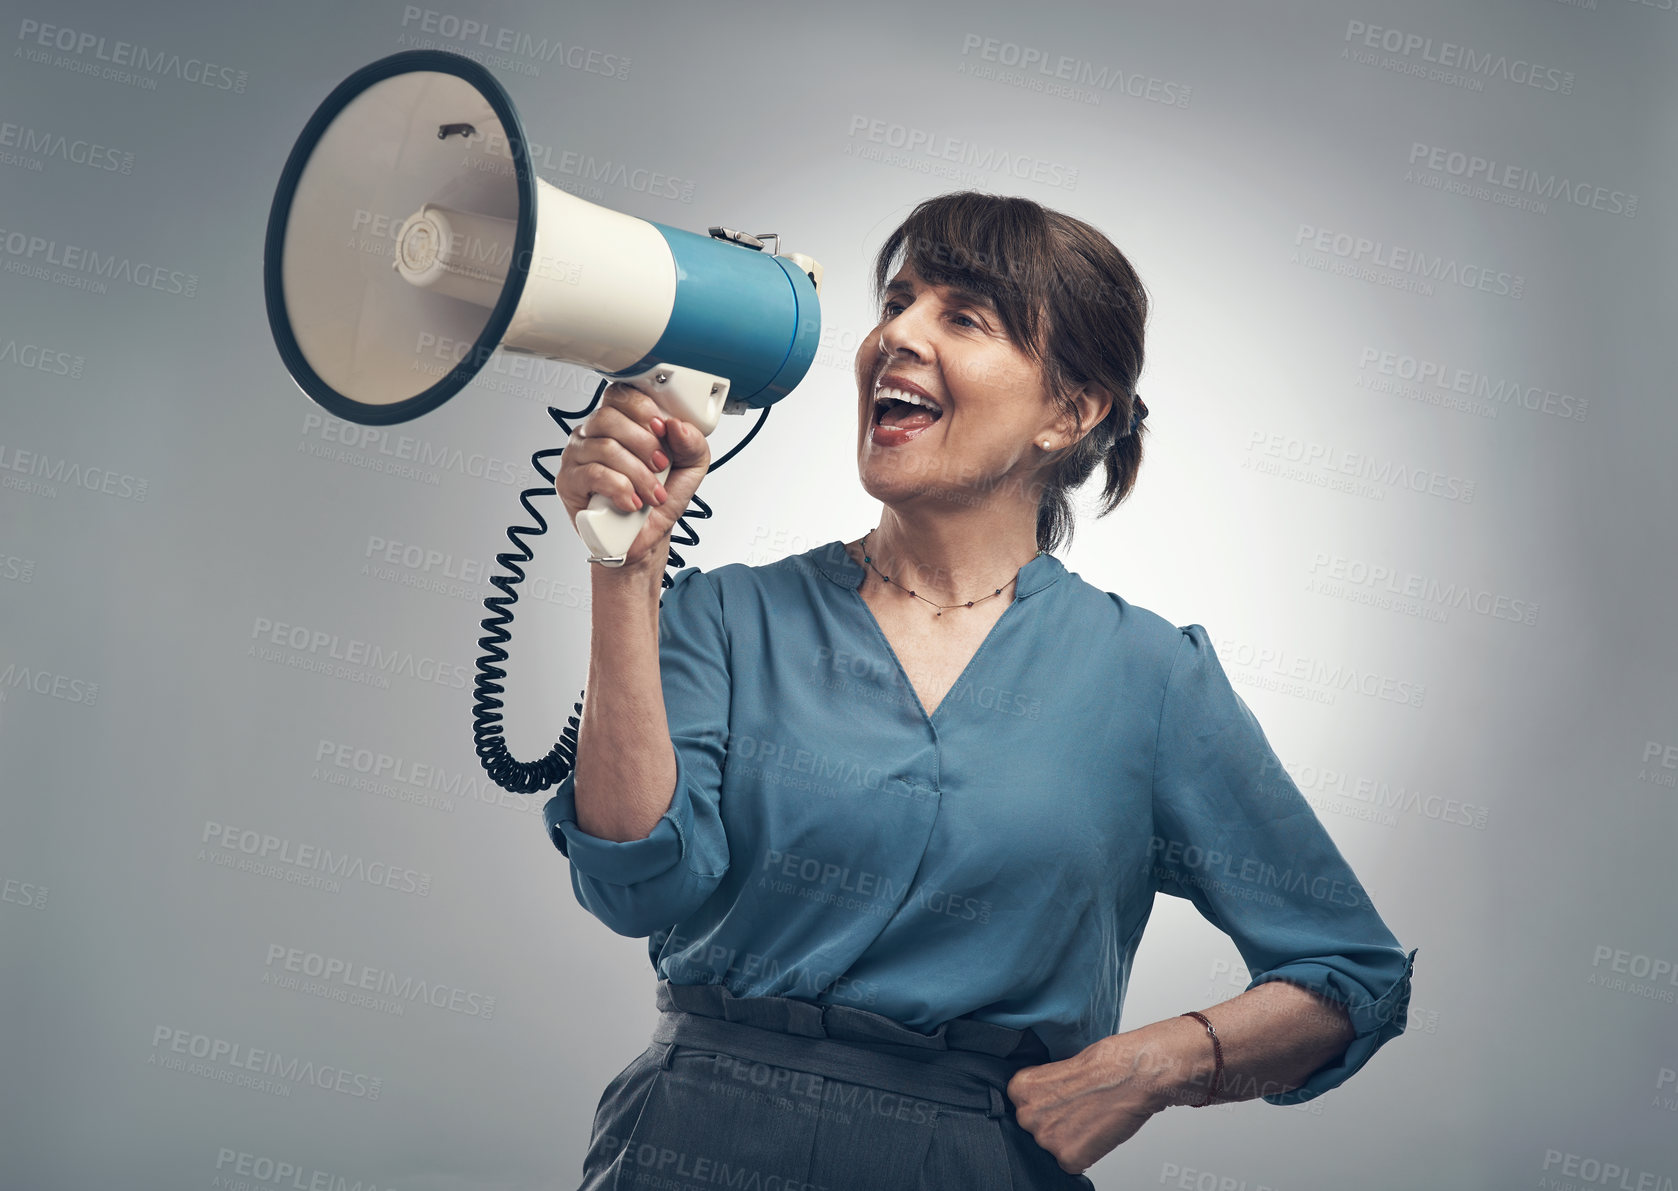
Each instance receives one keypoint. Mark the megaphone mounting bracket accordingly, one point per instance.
(812, 269)
(746, 239)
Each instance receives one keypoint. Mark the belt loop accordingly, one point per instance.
(804, 1019)
(668, 1057)
(998, 1103)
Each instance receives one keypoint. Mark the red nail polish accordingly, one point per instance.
(658, 425)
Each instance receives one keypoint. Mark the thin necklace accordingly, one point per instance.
(941, 607)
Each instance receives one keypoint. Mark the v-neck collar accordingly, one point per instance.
(837, 564)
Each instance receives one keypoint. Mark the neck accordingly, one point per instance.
(950, 557)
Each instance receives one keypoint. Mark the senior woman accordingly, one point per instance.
(892, 813)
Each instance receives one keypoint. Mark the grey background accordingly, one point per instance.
(1525, 1062)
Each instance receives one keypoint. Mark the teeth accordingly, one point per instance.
(890, 394)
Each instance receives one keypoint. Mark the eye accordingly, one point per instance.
(962, 319)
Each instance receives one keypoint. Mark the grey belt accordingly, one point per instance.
(964, 1063)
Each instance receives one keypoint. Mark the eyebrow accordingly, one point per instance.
(962, 297)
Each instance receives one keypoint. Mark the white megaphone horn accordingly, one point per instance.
(409, 239)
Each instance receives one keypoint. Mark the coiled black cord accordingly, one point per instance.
(527, 777)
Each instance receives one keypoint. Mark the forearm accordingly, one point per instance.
(625, 765)
(1273, 1037)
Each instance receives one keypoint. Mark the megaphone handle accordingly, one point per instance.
(685, 393)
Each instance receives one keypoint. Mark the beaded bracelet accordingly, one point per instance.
(1214, 1087)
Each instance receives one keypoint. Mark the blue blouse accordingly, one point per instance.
(829, 840)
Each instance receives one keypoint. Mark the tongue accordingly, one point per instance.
(910, 417)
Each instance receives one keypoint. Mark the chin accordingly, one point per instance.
(878, 484)
(893, 486)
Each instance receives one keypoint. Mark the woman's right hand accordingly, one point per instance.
(618, 451)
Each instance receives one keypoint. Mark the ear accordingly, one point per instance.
(1093, 403)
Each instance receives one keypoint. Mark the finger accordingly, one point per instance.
(612, 454)
(631, 401)
(578, 462)
(688, 447)
(619, 425)
(613, 485)
(618, 457)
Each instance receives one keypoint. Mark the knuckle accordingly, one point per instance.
(630, 400)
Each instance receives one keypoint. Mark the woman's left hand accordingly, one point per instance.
(1081, 1108)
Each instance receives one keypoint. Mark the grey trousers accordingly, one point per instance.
(779, 1094)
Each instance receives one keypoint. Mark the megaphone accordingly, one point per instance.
(408, 227)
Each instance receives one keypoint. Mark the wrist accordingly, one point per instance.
(644, 574)
(1184, 1066)
(627, 596)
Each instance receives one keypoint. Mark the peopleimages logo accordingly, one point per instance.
(310, 864)
(1512, 185)
(1278, 669)
(407, 780)
(689, 959)
(376, 448)
(84, 268)
(1189, 863)
(1488, 393)
(1363, 473)
(36, 38)
(378, 988)
(1425, 53)
(16, 568)
(253, 1170)
(475, 38)
(1380, 801)
(171, 1047)
(1383, 579)
(1665, 761)
(23, 893)
(1366, 254)
(926, 151)
(424, 568)
(328, 647)
(825, 881)
(45, 682)
(36, 358)
(36, 473)
(1584, 1171)
(35, 145)
(584, 168)
(1039, 70)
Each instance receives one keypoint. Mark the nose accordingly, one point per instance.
(905, 333)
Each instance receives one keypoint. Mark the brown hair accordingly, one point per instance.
(1068, 298)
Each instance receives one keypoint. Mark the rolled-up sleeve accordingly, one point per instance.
(639, 886)
(1233, 834)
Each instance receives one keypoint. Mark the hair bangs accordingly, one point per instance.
(997, 248)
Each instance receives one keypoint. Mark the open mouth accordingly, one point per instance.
(899, 407)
